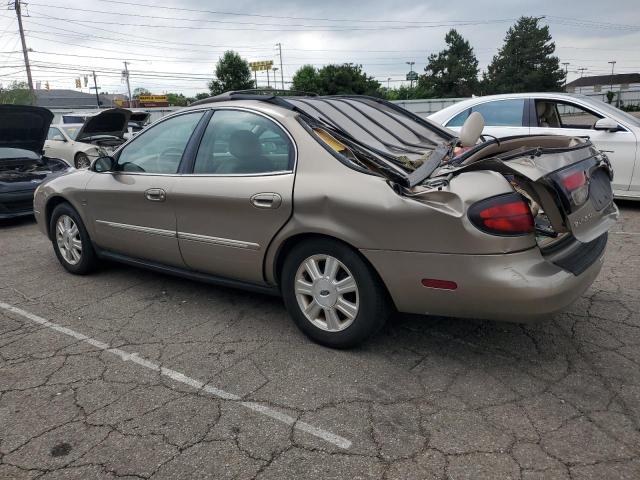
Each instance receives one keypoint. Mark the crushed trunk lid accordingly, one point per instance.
(571, 184)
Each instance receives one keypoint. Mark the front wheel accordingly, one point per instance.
(81, 160)
(333, 295)
(71, 241)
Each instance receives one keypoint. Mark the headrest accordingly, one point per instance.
(244, 145)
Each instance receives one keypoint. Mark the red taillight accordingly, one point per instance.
(574, 180)
(503, 215)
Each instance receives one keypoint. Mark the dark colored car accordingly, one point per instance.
(23, 131)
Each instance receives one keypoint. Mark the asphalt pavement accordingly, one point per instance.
(133, 374)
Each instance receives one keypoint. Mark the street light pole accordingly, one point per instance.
(388, 83)
(613, 64)
(95, 85)
(275, 78)
(279, 45)
(411, 64)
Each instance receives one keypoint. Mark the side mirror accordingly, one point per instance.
(607, 124)
(104, 164)
(59, 138)
(471, 130)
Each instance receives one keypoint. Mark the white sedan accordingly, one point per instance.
(79, 144)
(610, 129)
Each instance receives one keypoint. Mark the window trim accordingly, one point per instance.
(191, 163)
(523, 117)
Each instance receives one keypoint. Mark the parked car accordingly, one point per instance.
(348, 207)
(609, 128)
(22, 166)
(80, 143)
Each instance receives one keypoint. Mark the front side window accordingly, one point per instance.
(159, 149)
(564, 115)
(499, 113)
(238, 142)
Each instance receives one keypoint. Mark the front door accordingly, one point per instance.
(238, 197)
(567, 118)
(55, 144)
(133, 207)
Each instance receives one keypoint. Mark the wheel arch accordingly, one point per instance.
(288, 244)
(50, 206)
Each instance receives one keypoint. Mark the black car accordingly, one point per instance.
(23, 131)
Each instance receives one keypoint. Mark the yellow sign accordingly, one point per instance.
(259, 66)
(153, 98)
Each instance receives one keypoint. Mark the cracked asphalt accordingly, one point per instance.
(427, 398)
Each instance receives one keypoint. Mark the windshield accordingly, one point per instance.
(616, 112)
(71, 132)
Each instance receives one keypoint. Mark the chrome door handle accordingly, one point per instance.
(266, 200)
(155, 195)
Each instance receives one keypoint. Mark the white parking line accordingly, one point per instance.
(332, 438)
(626, 233)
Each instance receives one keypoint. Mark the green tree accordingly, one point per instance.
(177, 99)
(453, 72)
(344, 79)
(140, 91)
(306, 79)
(17, 93)
(405, 92)
(525, 63)
(232, 73)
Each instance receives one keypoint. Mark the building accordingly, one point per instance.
(620, 82)
(73, 99)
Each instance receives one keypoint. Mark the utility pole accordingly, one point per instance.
(275, 78)
(566, 73)
(126, 76)
(279, 45)
(17, 6)
(581, 70)
(268, 84)
(388, 83)
(95, 85)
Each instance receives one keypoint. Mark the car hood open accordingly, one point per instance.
(112, 122)
(24, 127)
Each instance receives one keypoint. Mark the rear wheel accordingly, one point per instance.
(333, 295)
(71, 241)
(81, 160)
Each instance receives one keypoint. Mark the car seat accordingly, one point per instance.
(246, 152)
(547, 115)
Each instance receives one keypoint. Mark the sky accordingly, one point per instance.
(173, 45)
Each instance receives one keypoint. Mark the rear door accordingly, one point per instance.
(238, 195)
(502, 118)
(567, 118)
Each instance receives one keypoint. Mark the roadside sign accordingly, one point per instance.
(153, 98)
(412, 76)
(260, 66)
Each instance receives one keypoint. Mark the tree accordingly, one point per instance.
(453, 72)
(344, 79)
(17, 93)
(140, 91)
(306, 79)
(525, 63)
(177, 99)
(405, 92)
(232, 73)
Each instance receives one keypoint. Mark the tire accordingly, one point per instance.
(343, 326)
(81, 160)
(79, 262)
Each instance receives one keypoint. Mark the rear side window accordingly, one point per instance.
(239, 142)
(499, 113)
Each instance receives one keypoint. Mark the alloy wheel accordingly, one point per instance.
(68, 239)
(327, 293)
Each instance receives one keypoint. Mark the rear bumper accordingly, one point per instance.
(515, 287)
(16, 204)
